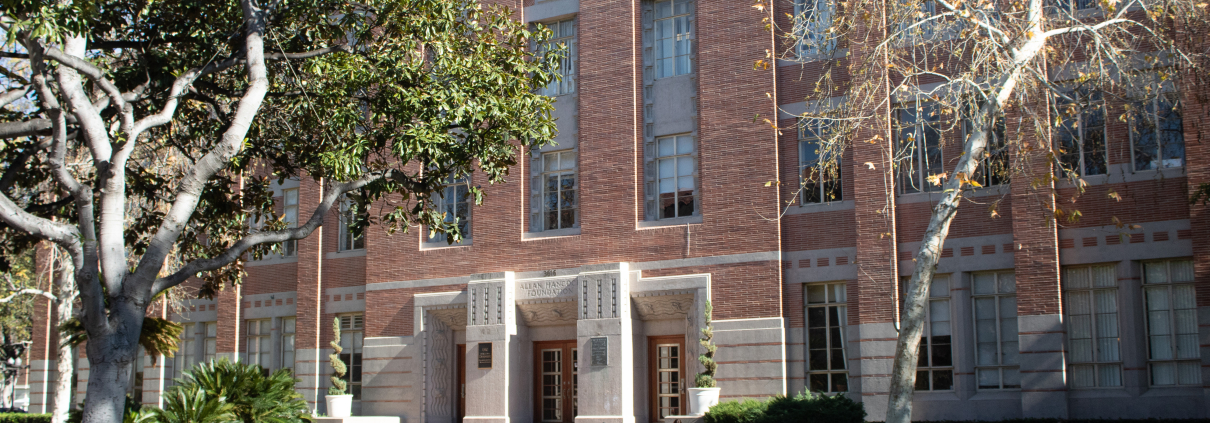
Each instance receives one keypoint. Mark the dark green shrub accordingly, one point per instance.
(814, 408)
(24, 418)
(802, 408)
(746, 411)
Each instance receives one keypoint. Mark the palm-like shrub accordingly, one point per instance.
(241, 389)
(190, 404)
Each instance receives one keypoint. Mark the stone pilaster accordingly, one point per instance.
(606, 344)
(492, 321)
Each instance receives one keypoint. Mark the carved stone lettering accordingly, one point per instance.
(546, 289)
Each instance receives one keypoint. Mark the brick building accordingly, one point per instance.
(654, 201)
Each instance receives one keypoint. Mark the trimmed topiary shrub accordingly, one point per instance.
(24, 418)
(802, 408)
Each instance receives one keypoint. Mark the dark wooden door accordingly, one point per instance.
(666, 355)
(555, 381)
(461, 382)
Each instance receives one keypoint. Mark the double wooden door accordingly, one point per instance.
(555, 381)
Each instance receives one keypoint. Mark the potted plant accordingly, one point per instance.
(705, 395)
(340, 402)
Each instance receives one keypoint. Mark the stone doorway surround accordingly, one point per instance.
(606, 301)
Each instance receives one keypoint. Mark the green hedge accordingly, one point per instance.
(802, 408)
(24, 418)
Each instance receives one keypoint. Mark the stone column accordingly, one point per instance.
(492, 393)
(604, 338)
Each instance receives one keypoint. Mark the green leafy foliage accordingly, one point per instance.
(802, 408)
(24, 418)
(705, 379)
(232, 392)
(132, 412)
(192, 404)
(339, 368)
(158, 336)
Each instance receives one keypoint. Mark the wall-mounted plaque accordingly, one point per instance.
(600, 351)
(485, 355)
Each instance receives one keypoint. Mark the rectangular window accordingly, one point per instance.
(348, 216)
(674, 168)
(186, 357)
(290, 216)
(1094, 353)
(918, 160)
(818, 168)
(352, 327)
(827, 362)
(935, 365)
(995, 298)
(673, 34)
(913, 26)
(1158, 133)
(812, 19)
(258, 346)
(287, 343)
(1081, 132)
(1172, 334)
(557, 206)
(454, 201)
(994, 168)
(564, 34)
(210, 342)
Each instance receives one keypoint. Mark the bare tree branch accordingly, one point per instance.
(29, 291)
(302, 231)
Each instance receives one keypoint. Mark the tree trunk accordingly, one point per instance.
(907, 346)
(111, 359)
(65, 361)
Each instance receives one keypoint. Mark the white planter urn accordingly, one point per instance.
(701, 399)
(342, 405)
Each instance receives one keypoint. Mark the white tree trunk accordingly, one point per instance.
(65, 362)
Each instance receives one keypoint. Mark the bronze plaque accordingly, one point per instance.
(600, 351)
(485, 355)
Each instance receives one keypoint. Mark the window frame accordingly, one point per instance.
(917, 170)
(1169, 287)
(353, 355)
(827, 189)
(997, 297)
(688, 38)
(290, 247)
(655, 200)
(814, 27)
(996, 149)
(1172, 99)
(927, 343)
(264, 358)
(289, 329)
(1094, 316)
(442, 202)
(1085, 99)
(567, 66)
(210, 341)
(566, 167)
(833, 293)
(345, 239)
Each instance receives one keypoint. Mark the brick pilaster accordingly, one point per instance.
(309, 357)
(1039, 296)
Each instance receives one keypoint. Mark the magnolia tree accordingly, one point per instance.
(1019, 86)
(142, 138)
